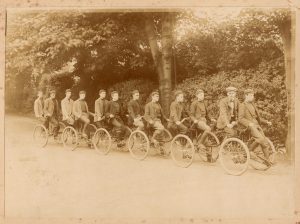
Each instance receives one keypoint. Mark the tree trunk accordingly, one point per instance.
(288, 39)
(162, 61)
(165, 86)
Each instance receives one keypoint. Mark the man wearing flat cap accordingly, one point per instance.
(228, 115)
(153, 116)
(135, 110)
(176, 114)
(81, 112)
(199, 115)
(113, 114)
(101, 105)
(67, 108)
(250, 118)
(51, 112)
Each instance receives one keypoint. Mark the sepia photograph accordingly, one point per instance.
(150, 114)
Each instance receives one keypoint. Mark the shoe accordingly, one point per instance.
(84, 135)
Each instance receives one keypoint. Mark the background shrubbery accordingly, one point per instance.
(270, 95)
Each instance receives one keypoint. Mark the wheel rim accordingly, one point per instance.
(257, 162)
(70, 138)
(182, 150)
(102, 141)
(234, 156)
(211, 151)
(138, 145)
(40, 136)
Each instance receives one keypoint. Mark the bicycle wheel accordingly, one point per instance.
(138, 145)
(258, 161)
(234, 156)
(182, 150)
(70, 138)
(40, 136)
(211, 151)
(102, 141)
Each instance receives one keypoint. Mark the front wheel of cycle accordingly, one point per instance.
(182, 150)
(234, 156)
(102, 141)
(40, 136)
(138, 145)
(70, 138)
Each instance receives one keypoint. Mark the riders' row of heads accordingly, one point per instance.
(179, 94)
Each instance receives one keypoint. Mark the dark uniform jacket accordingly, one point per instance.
(198, 111)
(153, 111)
(176, 111)
(100, 108)
(134, 109)
(225, 117)
(248, 113)
(113, 108)
(51, 107)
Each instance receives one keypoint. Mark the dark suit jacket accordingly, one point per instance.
(225, 112)
(176, 111)
(198, 110)
(249, 114)
(49, 107)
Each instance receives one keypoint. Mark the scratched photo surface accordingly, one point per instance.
(150, 114)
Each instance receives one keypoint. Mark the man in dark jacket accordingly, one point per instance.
(228, 116)
(153, 115)
(250, 118)
(113, 114)
(199, 115)
(177, 113)
(135, 110)
(51, 112)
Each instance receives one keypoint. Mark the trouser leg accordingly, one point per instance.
(205, 128)
(261, 139)
(55, 125)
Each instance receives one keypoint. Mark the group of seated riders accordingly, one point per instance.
(107, 113)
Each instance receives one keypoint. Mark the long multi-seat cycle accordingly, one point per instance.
(232, 152)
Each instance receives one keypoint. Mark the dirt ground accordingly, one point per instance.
(57, 183)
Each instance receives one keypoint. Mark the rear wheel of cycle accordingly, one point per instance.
(40, 136)
(234, 156)
(102, 141)
(70, 138)
(138, 145)
(182, 150)
(211, 151)
(258, 162)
